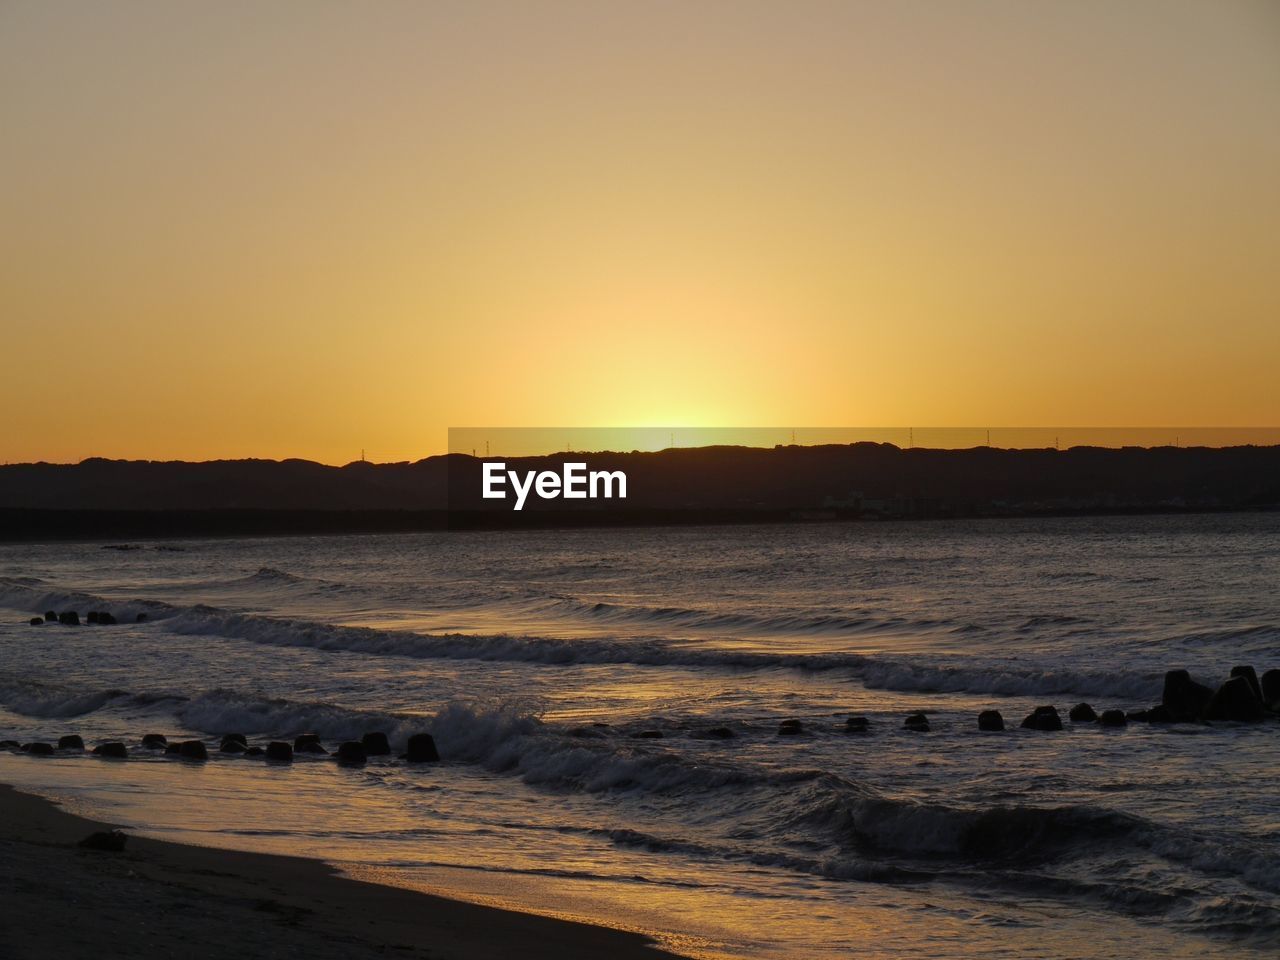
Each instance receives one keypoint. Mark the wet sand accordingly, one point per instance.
(160, 899)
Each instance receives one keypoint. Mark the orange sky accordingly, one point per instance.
(306, 229)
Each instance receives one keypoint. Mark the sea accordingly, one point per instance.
(607, 704)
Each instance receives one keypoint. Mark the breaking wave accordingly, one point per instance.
(936, 676)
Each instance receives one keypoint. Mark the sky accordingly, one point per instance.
(310, 229)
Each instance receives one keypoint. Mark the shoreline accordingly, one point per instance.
(161, 898)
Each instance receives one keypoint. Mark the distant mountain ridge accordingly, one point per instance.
(100, 484)
(853, 479)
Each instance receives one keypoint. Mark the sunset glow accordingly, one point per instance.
(311, 229)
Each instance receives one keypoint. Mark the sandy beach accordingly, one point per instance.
(161, 899)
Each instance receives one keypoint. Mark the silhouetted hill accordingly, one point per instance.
(99, 484)
(707, 484)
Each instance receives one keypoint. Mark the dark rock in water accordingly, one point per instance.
(421, 749)
(140, 618)
(1160, 714)
(916, 722)
(70, 618)
(1235, 700)
(376, 744)
(231, 745)
(715, 733)
(790, 728)
(110, 840)
(36, 621)
(193, 750)
(154, 741)
(91, 616)
(50, 616)
(308, 743)
(38, 749)
(1252, 676)
(352, 751)
(280, 750)
(105, 619)
(1157, 714)
(10, 744)
(1043, 718)
(586, 733)
(115, 750)
(1271, 687)
(256, 751)
(1185, 698)
(990, 720)
(648, 735)
(243, 740)
(1113, 718)
(172, 749)
(1082, 713)
(856, 725)
(71, 741)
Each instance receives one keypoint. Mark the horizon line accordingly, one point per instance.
(495, 455)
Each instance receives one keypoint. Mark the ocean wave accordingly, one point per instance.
(806, 821)
(992, 833)
(38, 700)
(875, 672)
(1258, 640)
(781, 623)
(831, 868)
(38, 596)
(470, 731)
(270, 576)
(1012, 680)
(506, 736)
(936, 676)
(1049, 620)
